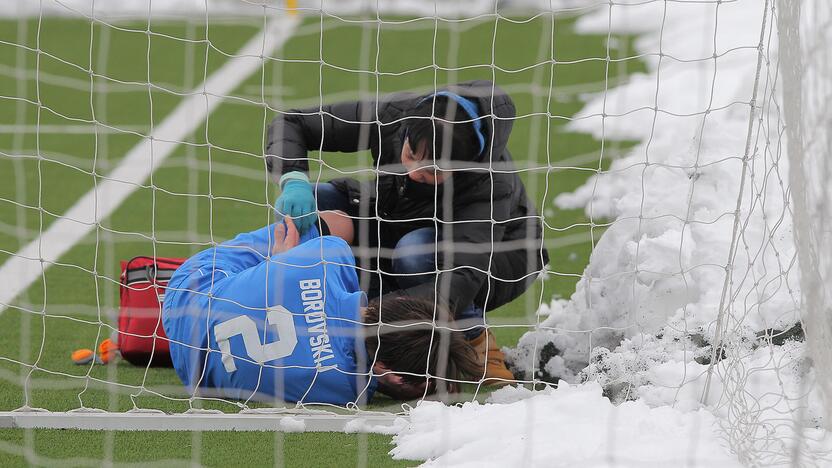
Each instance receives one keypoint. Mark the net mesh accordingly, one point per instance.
(675, 164)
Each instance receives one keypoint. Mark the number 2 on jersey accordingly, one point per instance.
(277, 317)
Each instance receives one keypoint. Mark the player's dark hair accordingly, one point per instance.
(408, 343)
(430, 127)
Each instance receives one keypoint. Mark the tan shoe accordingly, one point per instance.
(496, 372)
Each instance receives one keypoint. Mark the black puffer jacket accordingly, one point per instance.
(484, 211)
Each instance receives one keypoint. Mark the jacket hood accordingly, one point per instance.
(496, 112)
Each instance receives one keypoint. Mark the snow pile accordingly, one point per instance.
(290, 424)
(663, 277)
(644, 315)
(570, 426)
(657, 275)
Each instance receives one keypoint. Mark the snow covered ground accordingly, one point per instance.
(568, 427)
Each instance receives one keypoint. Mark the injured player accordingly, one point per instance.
(271, 315)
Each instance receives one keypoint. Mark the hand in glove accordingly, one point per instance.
(297, 200)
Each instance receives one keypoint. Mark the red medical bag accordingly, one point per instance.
(143, 283)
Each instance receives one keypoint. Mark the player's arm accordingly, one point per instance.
(244, 251)
(249, 249)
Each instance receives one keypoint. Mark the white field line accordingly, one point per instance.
(31, 262)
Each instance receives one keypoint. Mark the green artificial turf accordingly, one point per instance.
(215, 186)
(51, 447)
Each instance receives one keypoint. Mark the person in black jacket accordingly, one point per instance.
(447, 217)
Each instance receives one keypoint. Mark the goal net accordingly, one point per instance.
(673, 154)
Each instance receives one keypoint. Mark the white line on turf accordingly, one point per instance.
(31, 262)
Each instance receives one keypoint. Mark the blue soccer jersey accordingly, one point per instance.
(245, 324)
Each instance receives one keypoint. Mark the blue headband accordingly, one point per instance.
(469, 107)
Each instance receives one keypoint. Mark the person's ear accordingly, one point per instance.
(419, 151)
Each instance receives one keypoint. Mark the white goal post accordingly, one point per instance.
(805, 43)
(300, 421)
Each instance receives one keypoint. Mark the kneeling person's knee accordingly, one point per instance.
(415, 252)
(339, 224)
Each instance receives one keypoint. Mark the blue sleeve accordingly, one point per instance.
(315, 251)
(240, 253)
